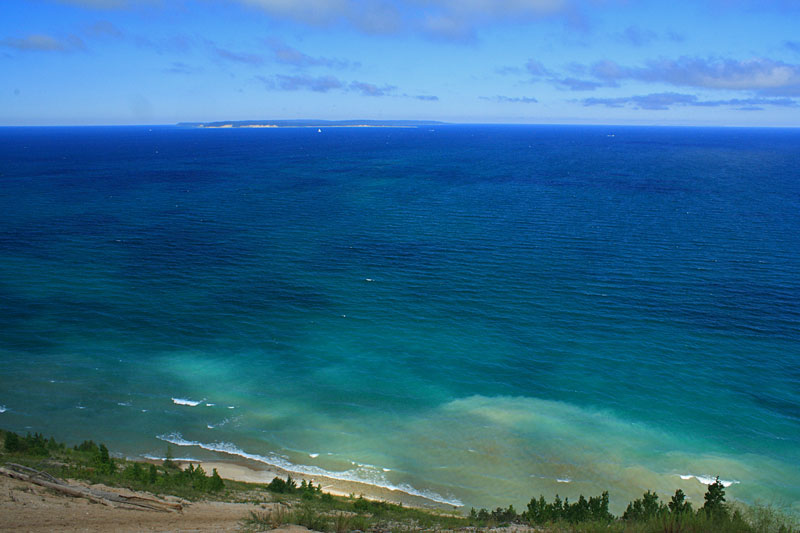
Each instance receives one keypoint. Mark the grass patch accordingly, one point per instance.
(92, 463)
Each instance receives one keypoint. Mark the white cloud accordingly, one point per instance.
(762, 75)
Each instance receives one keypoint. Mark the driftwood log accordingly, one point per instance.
(43, 479)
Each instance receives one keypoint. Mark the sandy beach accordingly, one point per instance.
(253, 472)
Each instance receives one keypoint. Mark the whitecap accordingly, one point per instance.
(182, 459)
(184, 401)
(231, 407)
(313, 455)
(709, 480)
(124, 404)
(359, 475)
(210, 404)
(563, 480)
(3, 408)
(369, 279)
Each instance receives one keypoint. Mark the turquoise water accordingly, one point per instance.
(476, 313)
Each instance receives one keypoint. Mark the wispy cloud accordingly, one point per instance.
(320, 84)
(104, 29)
(455, 20)
(179, 67)
(539, 72)
(370, 89)
(324, 84)
(39, 42)
(108, 4)
(536, 69)
(287, 55)
(577, 84)
(655, 101)
(766, 76)
(510, 99)
(676, 37)
(508, 71)
(640, 37)
(667, 100)
(637, 36)
(460, 19)
(237, 57)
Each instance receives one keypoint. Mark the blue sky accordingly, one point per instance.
(702, 62)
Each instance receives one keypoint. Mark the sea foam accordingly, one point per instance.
(709, 480)
(360, 475)
(184, 401)
(181, 459)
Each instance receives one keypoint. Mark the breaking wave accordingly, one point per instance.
(360, 475)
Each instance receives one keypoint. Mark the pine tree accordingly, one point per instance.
(168, 462)
(678, 504)
(715, 500)
(199, 479)
(215, 484)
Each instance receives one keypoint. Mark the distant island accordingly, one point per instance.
(312, 124)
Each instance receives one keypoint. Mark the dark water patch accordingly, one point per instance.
(377, 279)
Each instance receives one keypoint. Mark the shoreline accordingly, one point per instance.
(251, 471)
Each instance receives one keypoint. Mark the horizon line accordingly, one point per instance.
(377, 122)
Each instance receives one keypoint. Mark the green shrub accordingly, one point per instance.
(311, 518)
(215, 484)
(103, 461)
(341, 522)
(375, 508)
(644, 508)
(505, 516)
(87, 446)
(594, 509)
(13, 443)
(152, 474)
(289, 486)
(31, 444)
(267, 520)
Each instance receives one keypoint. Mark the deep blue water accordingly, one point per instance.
(483, 313)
